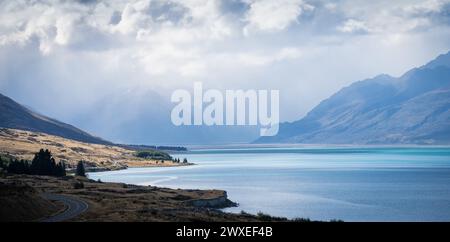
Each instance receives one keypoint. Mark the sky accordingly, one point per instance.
(64, 58)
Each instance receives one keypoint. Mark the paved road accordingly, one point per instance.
(74, 207)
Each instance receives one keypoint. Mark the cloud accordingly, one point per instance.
(134, 18)
(84, 51)
(353, 26)
(267, 15)
(395, 18)
(427, 7)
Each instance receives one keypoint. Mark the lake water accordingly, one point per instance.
(351, 184)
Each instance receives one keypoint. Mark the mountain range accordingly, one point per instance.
(411, 109)
(16, 116)
(113, 119)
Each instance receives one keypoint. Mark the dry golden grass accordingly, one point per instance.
(115, 201)
(24, 144)
(20, 202)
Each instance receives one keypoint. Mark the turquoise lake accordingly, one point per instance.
(351, 184)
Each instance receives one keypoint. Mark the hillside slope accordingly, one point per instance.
(24, 144)
(15, 116)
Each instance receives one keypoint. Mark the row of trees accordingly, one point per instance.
(177, 160)
(153, 154)
(42, 164)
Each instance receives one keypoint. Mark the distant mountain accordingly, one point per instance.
(411, 109)
(16, 116)
(145, 119)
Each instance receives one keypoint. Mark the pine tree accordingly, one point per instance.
(80, 169)
(12, 167)
(60, 169)
(44, 164)
(24, 167)
(18, 167)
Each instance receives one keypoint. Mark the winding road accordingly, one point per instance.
(74, 207)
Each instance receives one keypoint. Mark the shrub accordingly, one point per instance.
(153, 154)
(78, 185)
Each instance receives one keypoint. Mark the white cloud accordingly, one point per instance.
(426, 7)
(134, 18)
(267, 15)
(353, 26)
(394, 17)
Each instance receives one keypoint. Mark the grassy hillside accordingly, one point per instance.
(15, 116)
(24, 144)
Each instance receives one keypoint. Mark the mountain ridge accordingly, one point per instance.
(410, 109)
(16, 116)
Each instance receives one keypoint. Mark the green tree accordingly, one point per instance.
(185, 160)
(80, 169)
(43, 163)
(18, 167)
(60, 169)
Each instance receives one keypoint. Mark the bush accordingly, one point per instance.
(78, 185)
(266, 217)
(153, 154)
(5, 160)
(301, 220)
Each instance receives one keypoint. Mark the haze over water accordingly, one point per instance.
(351, 184)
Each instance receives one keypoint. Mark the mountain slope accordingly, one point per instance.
(16, 116)
(411, 109)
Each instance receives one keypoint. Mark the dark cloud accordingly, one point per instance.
(164, 10)
(235, 7)
(86, 1)
(115, 17)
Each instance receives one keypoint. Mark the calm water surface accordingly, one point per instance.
(352, 184)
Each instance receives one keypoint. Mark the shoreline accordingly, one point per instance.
(103, 169)
(118, 202)
(22, 144)
(307, 146)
